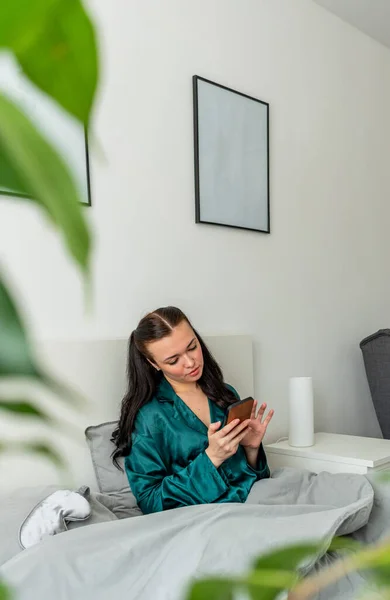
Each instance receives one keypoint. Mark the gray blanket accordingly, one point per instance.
(154, 557)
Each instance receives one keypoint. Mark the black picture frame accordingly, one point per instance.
(196, 80)
(88, 169)
(88, 176)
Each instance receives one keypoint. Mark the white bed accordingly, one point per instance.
(96, 368)
(157, 555)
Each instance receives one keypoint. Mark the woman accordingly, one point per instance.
(170, 428)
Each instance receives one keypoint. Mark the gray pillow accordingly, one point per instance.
(15, 507)
(112, 482)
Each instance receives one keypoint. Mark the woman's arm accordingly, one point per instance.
(251, 456)
(155, 489)
(257, 460)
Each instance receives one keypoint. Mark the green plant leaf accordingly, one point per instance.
(45, 176)
(262, 593)
(22, 408)
(9, 178)
(54, 42)
(44, 450)
(266, 584)
(277, 571)
(22, 19)
(343, 543)
(15, 354)
(5, 593)
(383, 477)
(41, 448)
(286, 559)
(212, 589)
(381, 575)
(379, 566)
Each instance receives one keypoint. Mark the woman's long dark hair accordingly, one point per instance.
(143, 378)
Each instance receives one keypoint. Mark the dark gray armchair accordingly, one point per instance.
(376, 355)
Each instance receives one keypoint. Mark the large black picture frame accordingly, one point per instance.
(231, 157)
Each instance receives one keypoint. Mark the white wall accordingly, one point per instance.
(307, 293)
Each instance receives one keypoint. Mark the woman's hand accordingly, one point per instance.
(256, 427)
(224, 442)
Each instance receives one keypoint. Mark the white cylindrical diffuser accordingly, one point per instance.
(301, 412)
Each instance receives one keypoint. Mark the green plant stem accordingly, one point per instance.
(365, 559)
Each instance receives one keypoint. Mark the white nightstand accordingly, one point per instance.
(333, 452)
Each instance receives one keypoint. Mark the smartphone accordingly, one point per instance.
(239, 410)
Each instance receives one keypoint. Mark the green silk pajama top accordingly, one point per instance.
(167, 466)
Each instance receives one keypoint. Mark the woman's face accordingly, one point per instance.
(179, 355)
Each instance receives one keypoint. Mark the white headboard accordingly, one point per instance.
(96, 369)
